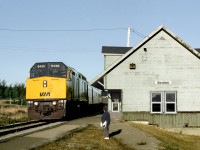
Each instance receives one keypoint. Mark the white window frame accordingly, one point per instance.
(175, 103)
(152, 103)
(163, 103)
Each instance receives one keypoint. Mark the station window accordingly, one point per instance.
(170, 102)
(163, 102)
(156, 102)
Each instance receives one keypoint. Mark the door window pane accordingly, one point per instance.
(115, 106)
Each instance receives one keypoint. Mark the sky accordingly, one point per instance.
(74, 31)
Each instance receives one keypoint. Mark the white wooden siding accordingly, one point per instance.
(165, 60)
(109, 59)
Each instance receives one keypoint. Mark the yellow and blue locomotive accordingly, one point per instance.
(57, 91)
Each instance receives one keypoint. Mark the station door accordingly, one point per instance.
(115, 100)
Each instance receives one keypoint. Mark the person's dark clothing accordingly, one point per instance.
(106, 117)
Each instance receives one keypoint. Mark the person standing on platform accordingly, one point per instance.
(105, 122)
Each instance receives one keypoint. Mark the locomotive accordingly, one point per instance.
(57, 91)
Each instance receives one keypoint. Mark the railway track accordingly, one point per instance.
(20, 129)
(4, 130)
(17, 125)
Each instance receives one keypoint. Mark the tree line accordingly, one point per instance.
(16, 91)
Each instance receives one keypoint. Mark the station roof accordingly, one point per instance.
(115, 49)
(197, 49)
(98, 82)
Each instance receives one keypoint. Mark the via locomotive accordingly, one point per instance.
(57, 91)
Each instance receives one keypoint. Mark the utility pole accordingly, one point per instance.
(128, 37)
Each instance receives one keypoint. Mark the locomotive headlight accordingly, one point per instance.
(54, 103)
(36, 103)
(61, 101)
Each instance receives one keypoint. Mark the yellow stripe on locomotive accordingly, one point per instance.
(46, 88)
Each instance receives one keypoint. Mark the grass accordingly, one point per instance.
(170, 140)
(90, 138)
(10, 114)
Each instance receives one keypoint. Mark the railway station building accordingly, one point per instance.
(157, 81)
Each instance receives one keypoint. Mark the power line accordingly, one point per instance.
(67, 30)
(138, 33)
(71, 30)
(62, 30)
(53, 50)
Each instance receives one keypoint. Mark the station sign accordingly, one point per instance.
(163, 82)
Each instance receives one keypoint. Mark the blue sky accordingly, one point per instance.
(49, 30)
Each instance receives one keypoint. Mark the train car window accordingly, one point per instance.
(84, 78)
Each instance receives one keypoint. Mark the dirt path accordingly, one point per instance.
(133, 136)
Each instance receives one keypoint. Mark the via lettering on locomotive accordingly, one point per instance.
(43, 94)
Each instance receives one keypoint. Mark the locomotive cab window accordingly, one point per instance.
(48, 69)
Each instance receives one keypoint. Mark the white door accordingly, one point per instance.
(115, 106)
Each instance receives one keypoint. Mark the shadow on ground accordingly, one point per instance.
(115, 133)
